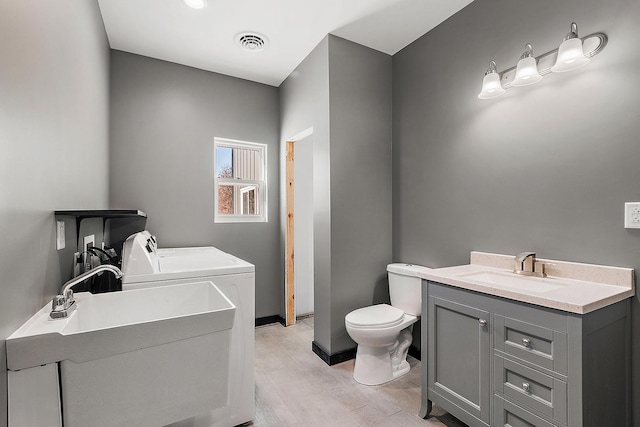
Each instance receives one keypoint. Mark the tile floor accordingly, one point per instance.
(294, 387)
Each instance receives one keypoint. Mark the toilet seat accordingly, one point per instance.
(375, 316)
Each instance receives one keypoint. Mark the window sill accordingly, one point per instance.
(238, 218)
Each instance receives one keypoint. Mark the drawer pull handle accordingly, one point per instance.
(526, 387)
(526, 342)
(482, 322)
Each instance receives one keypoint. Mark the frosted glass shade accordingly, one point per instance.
(491, 87)
(526, 72)
(570, 56)
(196, 4)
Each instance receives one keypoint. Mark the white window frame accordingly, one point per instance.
(259, 185)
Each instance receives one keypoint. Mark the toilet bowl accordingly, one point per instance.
(383, 332)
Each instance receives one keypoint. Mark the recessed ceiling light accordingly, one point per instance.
(196, 4)
(252, 41)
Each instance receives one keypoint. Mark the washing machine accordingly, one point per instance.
(144, 265)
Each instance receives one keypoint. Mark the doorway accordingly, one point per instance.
(303, 227)
(299, 231)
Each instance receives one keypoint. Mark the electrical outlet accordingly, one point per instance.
(632, 215)
(88, 242)
(77, 262)
(60, 238)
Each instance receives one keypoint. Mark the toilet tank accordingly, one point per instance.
(405, 287)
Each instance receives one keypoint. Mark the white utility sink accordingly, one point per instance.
(148, 356)
(514, 281)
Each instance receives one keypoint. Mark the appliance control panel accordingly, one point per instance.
(140, 254)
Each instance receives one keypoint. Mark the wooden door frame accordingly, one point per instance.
(289, 283)
(289, 247)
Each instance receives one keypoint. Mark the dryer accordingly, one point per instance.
(144, 265)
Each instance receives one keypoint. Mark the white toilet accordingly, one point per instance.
(384, 332)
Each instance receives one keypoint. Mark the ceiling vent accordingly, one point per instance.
(252, 42)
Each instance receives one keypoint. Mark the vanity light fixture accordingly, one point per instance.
(574, 52)
(196, 4)
(570, 52)
(527, 69)
(491, 87)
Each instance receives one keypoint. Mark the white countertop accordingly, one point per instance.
(609, 285)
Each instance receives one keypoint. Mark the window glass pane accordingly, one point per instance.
(224, 168)
(248, 202)
(247, 164)
(238, 199)
(225, 199)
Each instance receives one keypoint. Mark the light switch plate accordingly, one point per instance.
(632, 215)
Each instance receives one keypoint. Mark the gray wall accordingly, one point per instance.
(544, 168)
(360, 116)
(164, 118)
(343, 90)
(304, 103)
(54, 62)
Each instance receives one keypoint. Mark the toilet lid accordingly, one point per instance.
(375, 316)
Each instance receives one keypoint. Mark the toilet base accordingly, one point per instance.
(402, 369)
(373, 366)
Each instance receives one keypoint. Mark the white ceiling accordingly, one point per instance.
(171, 31)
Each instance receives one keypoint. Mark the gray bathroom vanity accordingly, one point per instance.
(491, 359)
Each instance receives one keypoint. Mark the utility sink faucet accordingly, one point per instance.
(64, 304)
(526, 264)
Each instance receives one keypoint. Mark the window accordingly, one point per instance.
(240, 181)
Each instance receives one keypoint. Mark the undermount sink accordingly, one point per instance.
(148, 356)
(514, 281)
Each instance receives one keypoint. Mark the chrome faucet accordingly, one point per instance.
(64, 304)
(526, 264)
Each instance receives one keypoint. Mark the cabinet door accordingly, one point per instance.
(460, 356)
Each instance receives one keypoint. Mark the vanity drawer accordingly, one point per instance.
(507, 414)
(535, 344)
(540, 392)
